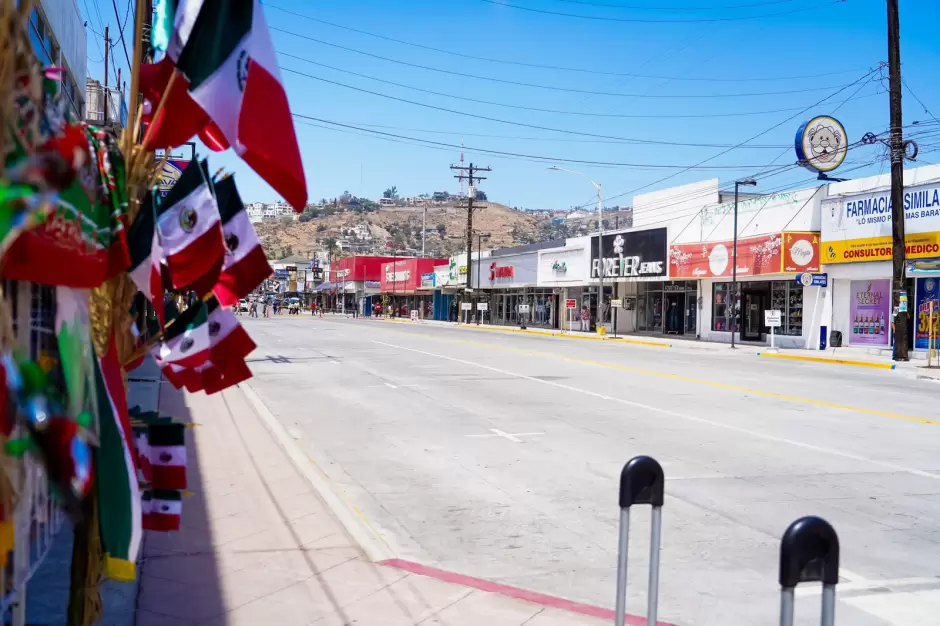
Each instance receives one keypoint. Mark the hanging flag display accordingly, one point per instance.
(189, 231)
(245, 265)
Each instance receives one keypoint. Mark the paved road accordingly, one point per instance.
(498, 455)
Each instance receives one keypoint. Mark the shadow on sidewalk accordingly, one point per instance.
(179, 576)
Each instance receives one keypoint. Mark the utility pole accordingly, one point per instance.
(471, 196)
(897, 183)
(107, 40)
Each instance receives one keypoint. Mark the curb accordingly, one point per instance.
(346, 513)
(533, 597)
(555, 334)
(816, 359)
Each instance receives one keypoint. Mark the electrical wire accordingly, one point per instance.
(549, 87)
(648, 8)
(919, 101)
(548, 159)
(121, 29)
(867, 76)
(545, 128)
(698, 20)
(535, 109)
(560, 68)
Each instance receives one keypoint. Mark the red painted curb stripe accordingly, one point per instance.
(534, 597)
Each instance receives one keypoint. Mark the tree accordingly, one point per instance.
(331, 247)
(441, 229)
(321, 228)
(391, 192)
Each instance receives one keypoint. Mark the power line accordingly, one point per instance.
(533, 126)
(919, 101)
(648, 8)
(546, 87)
(697, 20)
(529, 108)
(549, 159)
(121, 29)
(557, 67)
(761, 134)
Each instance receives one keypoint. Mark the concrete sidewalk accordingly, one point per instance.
(258, 545)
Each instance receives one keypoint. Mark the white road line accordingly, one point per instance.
(514, 437)
(390, 386)
(691, 418)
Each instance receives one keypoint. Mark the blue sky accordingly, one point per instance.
(800, 51)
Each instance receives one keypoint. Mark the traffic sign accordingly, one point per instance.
(483, 306)
(466, 306)
(772, 318)
(571, 303)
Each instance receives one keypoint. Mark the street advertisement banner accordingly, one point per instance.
(169, 174)
(634, 256)
(858, 228)
(928, 292)
(779, 253)
(870, 312)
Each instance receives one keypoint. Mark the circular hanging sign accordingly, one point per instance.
(821, 144)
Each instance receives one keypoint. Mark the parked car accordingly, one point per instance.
(243, 305)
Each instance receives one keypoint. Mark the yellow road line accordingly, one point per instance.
(708, 383)
(819, 359)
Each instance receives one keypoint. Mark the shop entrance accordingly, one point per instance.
(754, 306)
(675, 313)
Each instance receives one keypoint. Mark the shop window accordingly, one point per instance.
(723, 317)
(787, 297)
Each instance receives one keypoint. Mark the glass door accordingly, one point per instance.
(753, 315)
(675, 313)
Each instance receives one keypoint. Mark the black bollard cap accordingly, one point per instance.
(641, 482)
(809, 552)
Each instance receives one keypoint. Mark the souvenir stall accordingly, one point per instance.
(98, 269)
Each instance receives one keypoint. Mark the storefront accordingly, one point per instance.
(564, 271)
(350, 282)
(857, 249)
(635, 272)
(407, 285)
(506, 285)
(767, 266)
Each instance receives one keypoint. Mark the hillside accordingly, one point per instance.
(399, 228)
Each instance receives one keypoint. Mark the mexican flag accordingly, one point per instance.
(229, 342)
(186, 340)
(166, 510)
(245, 265)
(234, 373)
(167, 451)
(146, 255)
(188, 225)
(116, 472)
(224, 51)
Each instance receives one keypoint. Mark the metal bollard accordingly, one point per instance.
(641, 482)
(809, 552)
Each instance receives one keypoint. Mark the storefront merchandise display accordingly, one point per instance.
(87, 238)
(870, 312)
(927, 313)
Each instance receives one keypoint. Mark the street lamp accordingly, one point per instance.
(735, 301)
(600, 240)
(478, 314)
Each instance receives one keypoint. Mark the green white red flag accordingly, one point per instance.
(189, 228)
(245, 265)
(186, 340)
(146, 255)
(223, 52)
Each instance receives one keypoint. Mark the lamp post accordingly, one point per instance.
(600, 240)
(735, 300)
(478, 314)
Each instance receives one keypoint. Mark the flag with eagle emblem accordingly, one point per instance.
(245, 265)
(190, 234)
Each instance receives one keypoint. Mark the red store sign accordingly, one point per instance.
(780, 253)
(501, 271)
